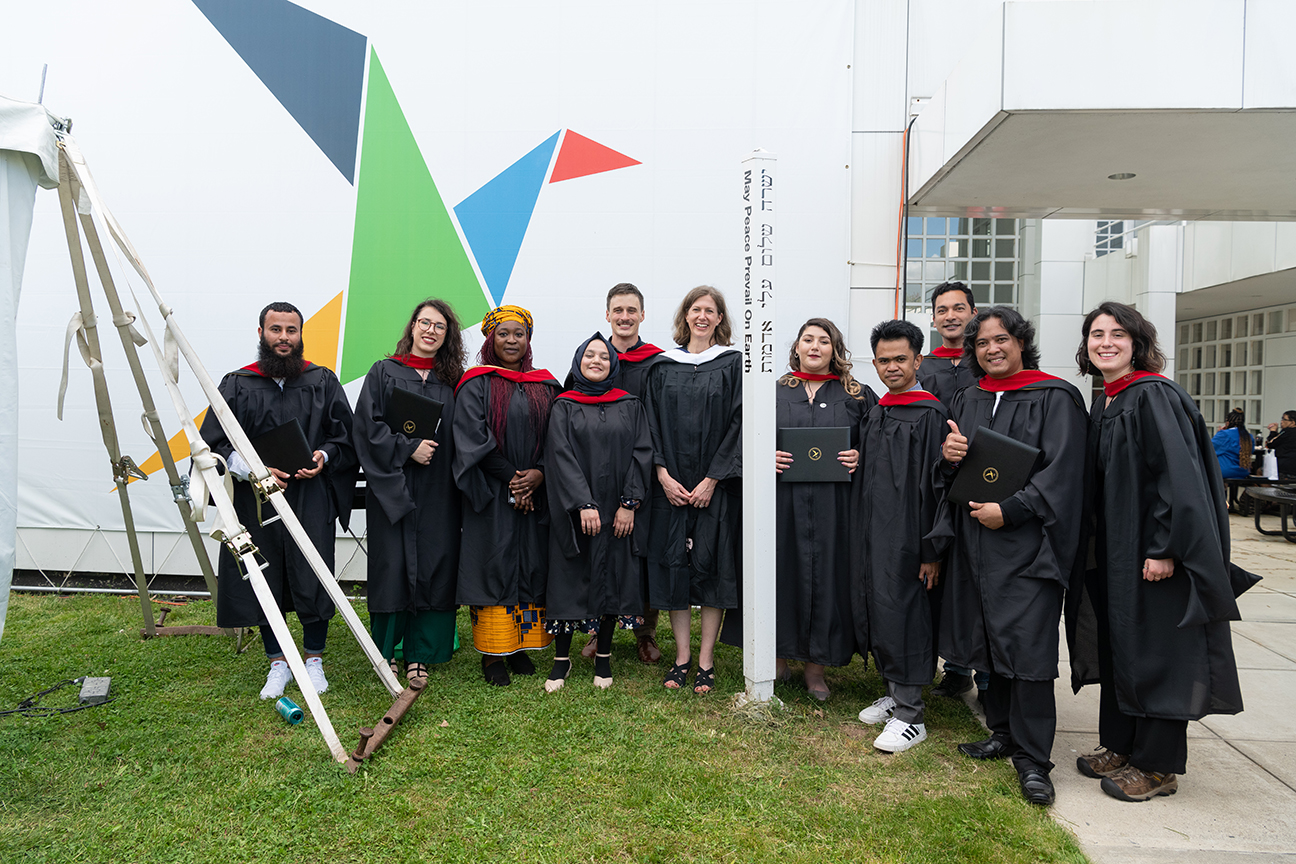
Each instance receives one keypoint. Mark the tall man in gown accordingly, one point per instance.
(895, 508)
(943, 373)
(280, 387)
(624, 313)
(1010, 562)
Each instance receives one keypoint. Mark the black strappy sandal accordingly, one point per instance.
(704, 678)
(677, 675)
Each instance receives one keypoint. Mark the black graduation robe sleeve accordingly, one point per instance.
(382, 452)
(473, 441)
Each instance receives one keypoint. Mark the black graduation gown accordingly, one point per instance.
(505, 553)
(895, 510)
(412, 510)
(695, 416)
(595, 454)
(812, 568)
(316, 399)
(1003, 588)
(939, 376)
(1155, 485)
(1283, 444)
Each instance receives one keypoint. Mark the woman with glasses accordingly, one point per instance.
(412, 505)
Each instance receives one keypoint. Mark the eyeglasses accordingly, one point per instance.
(426, 324)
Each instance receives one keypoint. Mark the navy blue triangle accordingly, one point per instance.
(313, 66)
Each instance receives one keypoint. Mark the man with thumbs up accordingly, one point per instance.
(1010, 560)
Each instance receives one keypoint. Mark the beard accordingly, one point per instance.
(275, 366)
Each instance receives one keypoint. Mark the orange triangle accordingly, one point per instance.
(580, 157)
(179, 446)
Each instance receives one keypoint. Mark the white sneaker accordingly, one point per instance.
(879, 712)
(315, 672)
(277, 680)
(899, 736)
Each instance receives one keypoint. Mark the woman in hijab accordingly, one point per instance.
(598, 460)
(501, 419)
(412, 508)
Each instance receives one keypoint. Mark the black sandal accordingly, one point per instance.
(677, 675)
(704, 678)
(495, 673)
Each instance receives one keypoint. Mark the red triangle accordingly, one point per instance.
(580, 157)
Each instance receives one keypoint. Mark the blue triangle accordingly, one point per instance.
(313, 66)
(495, 217)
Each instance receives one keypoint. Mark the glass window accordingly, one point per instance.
(1226, 328)
(1209, 361)
(1196, 359)
(1240, 353)
(1257, 324)
(1183, 380)
(1004, 227)
(1257, 352)
(1254, 411)
(915, 248)
(981, 271)
(1003, 292)
(1242, 325)
(1221, 411)
(935, 226)
(959, 270)
(1195, 389)
(1211, 331)
(1005, 271)
(980, 248)
(1239, 383)
(1257, 380)
(913, 225)
(981, 226)
(935, 247)
(1209, 381)
(1197, 332)
(1226, 355)
(934, 271)
(1183, 334)
(914, 293)
(1276, 322)
(956, 249)
(980, 292)
(1225, 379)
(1208, 411)
(1006, 248)
(959, 227)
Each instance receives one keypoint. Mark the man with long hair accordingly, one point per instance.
(278, 389)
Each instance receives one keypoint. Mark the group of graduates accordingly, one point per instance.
(550, 509)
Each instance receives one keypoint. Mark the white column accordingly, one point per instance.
(1157, 299)
(759, 377)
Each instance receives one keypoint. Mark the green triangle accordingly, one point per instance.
(405, 246)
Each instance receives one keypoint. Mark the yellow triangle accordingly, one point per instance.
(320, 334)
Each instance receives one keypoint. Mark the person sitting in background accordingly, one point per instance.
(1282, 441)
(1233, 446)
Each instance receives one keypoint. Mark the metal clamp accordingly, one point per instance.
(180, 491)
(125, 468)
(264, 488)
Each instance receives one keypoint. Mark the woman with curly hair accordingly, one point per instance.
(412, 506)
(812, 574)
(694, 403)
(501, 420)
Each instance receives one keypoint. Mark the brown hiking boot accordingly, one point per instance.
(1101, 763)
(1131, 784)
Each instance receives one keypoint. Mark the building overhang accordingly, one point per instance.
(1196, 99)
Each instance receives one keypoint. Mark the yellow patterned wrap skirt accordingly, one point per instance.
(499, 630)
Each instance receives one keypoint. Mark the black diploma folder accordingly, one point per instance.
(412, 415)
(996, 467)
(814, 454)
(284, 447)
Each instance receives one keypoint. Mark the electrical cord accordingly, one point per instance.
(29, 707)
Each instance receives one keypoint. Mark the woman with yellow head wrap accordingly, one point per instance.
(501, 420)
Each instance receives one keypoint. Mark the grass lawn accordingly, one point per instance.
(187, 764)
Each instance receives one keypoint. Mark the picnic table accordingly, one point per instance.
(1284, 497)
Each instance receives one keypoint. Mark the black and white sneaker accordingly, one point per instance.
(899, 736)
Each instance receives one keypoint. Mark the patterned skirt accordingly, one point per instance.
(591, 625)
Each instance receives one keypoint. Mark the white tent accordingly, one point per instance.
(28, 158)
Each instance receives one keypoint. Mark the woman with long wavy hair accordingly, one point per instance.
(813, 623)
(412, 506)
(501, 420)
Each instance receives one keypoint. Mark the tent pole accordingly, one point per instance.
(88, 339)
(129, 336)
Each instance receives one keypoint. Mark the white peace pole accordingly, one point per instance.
(759, 377)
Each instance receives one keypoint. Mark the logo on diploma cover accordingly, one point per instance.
(990, 475)
(409, 426)
(815, 454)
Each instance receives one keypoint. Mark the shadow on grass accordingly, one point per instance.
(188, 764)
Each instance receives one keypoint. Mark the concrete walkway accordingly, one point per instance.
(1238, 800)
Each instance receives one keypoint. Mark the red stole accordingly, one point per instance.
(909, 397)
(535, 376)
(806, 376)
(639, 353)
(255, 368)
(587, 399)
(947, 353)
(1016, 381)
(414, 361)
(1111, 388)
